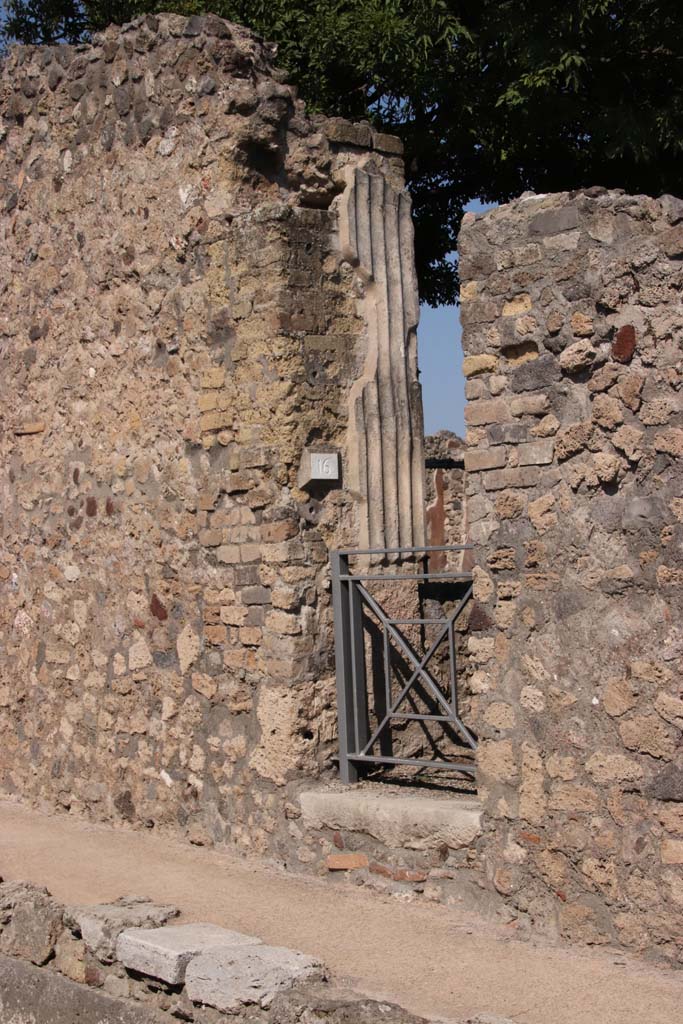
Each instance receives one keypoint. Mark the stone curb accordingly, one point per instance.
(225, 969)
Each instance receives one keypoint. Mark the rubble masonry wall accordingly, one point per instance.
(573, 327)
(184, 314)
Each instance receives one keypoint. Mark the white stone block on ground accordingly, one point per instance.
(230, 979)
(164, 953)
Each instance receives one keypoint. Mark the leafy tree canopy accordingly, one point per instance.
(491, 99)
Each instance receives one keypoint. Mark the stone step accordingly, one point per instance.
(415, 821)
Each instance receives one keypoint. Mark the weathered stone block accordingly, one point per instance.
(530, 405)
(500, 479)
(165, 952)
(493, 458)
(608, 768)
(536, 375)
(32, 921)
(553, 222)
(479, 413)
(413, 822)
(668, 784)
(507, 433)
(100, 926)
(578, 356)
(535, 453)
(648, 735)
(232, 979)
(473, 365)
(520, 304)
(672, 851)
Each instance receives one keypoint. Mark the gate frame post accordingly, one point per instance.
(341, 607)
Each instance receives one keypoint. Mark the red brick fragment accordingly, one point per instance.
(407, 875)
(530, 837)
(338, 840)
(346, 861)
(157, 609)
(624, 344)
(380, 869)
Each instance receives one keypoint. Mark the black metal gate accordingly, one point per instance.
(355, 610)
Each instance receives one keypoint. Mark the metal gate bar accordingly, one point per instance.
(349, 595)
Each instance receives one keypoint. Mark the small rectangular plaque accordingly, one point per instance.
(319, 466)
(324, 466)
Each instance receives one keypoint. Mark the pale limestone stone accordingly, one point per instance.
(606, 466)
(493, 410)
(499, 715)
(520, 304)
(70, 957)
(547, 427)
(139, 655)
(672, 851)
(532, 795)
(541, 514)
(578, 356)
(529, 405)
(492, 458)
(606, 767)
(618, 697)
(535, 453)
(532, 699)
(607, 411)
(561, 767)
(165, 952)
(582, 325)
(281, 747)
(647, 734)
(188, 646)
(629, 440)
(670, 708)
(413, 822)
(510, 504)
(498, 761)
(101, 925)
(670, 441)
(243, 976)
(474, 365)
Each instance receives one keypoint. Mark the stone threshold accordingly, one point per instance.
(414, 821)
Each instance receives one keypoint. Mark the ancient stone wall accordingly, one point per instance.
(573, 328)
(186, 313)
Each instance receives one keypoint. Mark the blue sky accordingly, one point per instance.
(439, 353)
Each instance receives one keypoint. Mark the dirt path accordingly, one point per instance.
(434, 960)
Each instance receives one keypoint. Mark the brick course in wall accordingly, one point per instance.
(573, 330)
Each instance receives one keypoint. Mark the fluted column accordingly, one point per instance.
(386, 433)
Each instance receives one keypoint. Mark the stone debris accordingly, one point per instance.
(30, 921)
(165, 952)
(233, 978)
(100, 926)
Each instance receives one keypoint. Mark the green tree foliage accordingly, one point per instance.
(491, 99)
